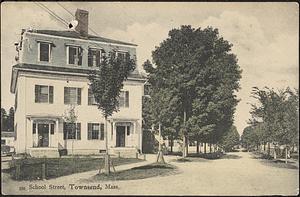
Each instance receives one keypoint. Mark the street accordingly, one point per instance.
(236, 174)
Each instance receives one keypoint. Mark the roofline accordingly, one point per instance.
(85, 40)
(15, 73)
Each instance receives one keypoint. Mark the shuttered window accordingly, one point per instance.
(91, 98)
(44, 53)
(75, 55)
(72, 95)
(72, 131)
(43, 94)
(94, 57)
(95, 131)
(124, 99)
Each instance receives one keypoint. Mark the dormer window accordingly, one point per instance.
(122, 55)
(44, 51)
(74, 55)
(94, 57)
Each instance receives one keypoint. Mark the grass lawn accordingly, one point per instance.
(31, 168)
(142, 172)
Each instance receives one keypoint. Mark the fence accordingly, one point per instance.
(46, 168)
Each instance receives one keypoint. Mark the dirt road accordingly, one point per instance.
(236, 174)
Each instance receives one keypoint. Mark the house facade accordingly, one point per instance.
(51, 77)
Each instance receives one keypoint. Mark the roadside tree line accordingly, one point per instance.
(191, 87)
(274, 122)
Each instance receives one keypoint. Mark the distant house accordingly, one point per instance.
(51, 74)
(7, 138)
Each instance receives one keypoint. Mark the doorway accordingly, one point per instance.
(43, 135)
(120, 136)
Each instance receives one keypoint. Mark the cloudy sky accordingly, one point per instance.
(264, 35)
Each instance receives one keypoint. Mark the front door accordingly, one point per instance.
(43, 135)
(120, 136)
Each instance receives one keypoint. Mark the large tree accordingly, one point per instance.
(106, 84)
(4, 117)
(197, 69)
(230, 139)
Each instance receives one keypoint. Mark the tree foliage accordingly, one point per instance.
(7, 120)
(275, 116)
(107, 81)
(195, 73)
(230, 139)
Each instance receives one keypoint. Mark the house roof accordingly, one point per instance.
(74, 34)
(7, 134)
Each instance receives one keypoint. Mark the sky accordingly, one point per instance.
(265, 36)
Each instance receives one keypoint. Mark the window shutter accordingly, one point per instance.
(89, 97)
(80, 51)
(33, 128)
(90, 58)
(36, 92)
(50, 94)
(102, 132)
(78, 131)
(98, 58)
(78, 96)
(66, 95)
(89, 131)
(65, 131)
(127, 99)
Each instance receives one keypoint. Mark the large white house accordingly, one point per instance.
(51, 74)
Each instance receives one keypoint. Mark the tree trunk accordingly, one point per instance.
(264, 147)
(286, 154)
(172, 142)
(269, 148)
(197, 147)
(187, 145)
(204, 147)
(160, 155)
(209, 147)
(200, 147)
(106, 158)
(184, 154)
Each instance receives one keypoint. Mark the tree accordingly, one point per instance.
(70, 119)
(106, 84)
(249, 138)
(277, 114)
(230, 139)
(197, 69)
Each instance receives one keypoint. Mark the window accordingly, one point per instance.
(122, 55)
(43, 94)
(91, 98)
(72, 95)
(44, 51)
(124, 99)
(74, 55)
(94, 57)
(95, 131)
(72, 131)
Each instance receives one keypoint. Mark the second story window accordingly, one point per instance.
(94, 57)
(124, 99)
(74, 55)
(91, 98)
(72, 96)
(44, 51)
(121, 55)
(43, 94)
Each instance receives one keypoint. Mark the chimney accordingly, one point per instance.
(82, 16)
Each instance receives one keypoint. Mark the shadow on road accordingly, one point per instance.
(230, 156)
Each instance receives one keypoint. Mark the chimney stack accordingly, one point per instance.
(82, 16)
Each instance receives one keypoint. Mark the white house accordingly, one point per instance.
(7, 138)
(51, 74)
